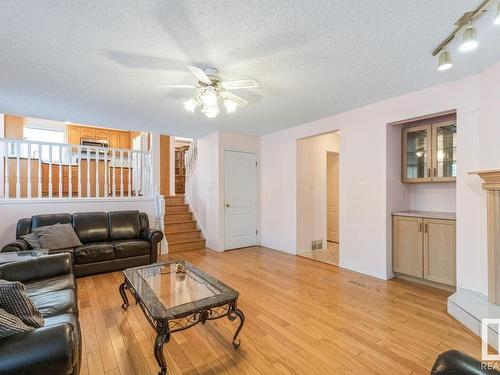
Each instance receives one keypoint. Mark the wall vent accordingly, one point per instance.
(317, 245)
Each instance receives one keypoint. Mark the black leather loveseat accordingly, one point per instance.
(110, 240)
(54, 349)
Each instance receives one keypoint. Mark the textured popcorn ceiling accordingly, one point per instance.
(98, 62)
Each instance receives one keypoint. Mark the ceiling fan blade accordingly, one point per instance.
(200, 75)
(176, 86)
(234, 98)
(240, 84)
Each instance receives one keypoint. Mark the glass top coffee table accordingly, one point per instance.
(175, 296)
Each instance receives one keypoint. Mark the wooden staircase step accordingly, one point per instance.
(177, 208)
(174, 217)
(183, 236)
(173, 227)
(185, 246)
(174, 200)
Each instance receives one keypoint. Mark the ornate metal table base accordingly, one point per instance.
(165, 327)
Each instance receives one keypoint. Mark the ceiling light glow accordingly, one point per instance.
(230, 105)
(211, 111)
(190, 105)
(209, 97)
(497, 17)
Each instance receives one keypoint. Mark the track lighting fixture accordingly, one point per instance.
(469, 39)
(469, 33)
(444, 61)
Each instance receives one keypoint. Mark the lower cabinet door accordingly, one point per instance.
(407, 243)
(439, 251)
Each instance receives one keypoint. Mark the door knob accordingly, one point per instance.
(228, 205)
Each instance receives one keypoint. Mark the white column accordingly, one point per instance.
(29, 172)
(155, 161)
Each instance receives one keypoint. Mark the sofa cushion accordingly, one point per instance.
(56, 303)
(57, 236)
(91, 226)
(49, 219)
(15, 300)
(124, 225)
(37, 287)
(94, 252)
(33, 240)
(131, 248)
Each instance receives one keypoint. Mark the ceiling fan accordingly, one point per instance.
(211, 90)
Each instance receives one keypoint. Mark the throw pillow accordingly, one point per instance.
(11, 325)
(58, 236)
(33, 240)
(15, 300)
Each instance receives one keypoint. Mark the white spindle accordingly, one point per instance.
(50, 171)
(69, 150)
(129, 166)
(40, 149)
(18, 170)
(79, 171)
(114, 172)
(60, 173)
(97, 173)
(136, 173)
(29, 172)
(7, 177)
(121, 173)
(105, 162)
(88, 172)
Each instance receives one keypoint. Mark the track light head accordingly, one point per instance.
(444, 62)
(469, 39)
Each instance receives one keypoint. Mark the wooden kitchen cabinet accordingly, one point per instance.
(424, 247)
(102, 134)
(124, 140)
(115, 138)
(87, 133)
(407, 242)
(73, 135)
(429, 152)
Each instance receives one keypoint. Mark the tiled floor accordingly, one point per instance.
(329, 255)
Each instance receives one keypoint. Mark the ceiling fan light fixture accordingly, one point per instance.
(209, 97)
(444, 61)
(190, 105)
(211, 111)
(230, 105)
(469, 39)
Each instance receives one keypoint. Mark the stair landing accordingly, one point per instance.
(181, 230)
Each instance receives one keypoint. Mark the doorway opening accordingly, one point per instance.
(318, 196)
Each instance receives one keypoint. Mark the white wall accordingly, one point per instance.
(365, 200)
(12, 212)
(433, 197)
(312, 189)
(205, 188)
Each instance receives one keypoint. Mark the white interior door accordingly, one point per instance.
(332, 162)
(240, 206)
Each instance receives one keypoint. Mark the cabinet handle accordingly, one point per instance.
(426, 228)
(428, 172)
(420, 227)
(435, 172)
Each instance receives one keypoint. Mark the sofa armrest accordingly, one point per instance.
(153, 236)
(46, 350)
(37, 268)
(455, 362)
(17, 245)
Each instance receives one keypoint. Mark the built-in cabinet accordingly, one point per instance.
(424, 246)
(429, 152)
(115, 138)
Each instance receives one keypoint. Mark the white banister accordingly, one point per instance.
(190, 158)
(54, 160)
(50, 171)
(88, 172)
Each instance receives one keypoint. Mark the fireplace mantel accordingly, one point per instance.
(491, 183)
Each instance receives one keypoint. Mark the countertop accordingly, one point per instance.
(427, 214)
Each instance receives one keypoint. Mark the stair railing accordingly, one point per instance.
(190, 158)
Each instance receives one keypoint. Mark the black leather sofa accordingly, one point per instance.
(54, 349)
(454, 362)
(111, 240)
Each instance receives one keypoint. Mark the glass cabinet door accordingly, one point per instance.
(417, 154)
(445, 151)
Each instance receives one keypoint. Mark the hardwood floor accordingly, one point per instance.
(302, 317)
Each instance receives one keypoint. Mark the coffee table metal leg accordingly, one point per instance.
(124, 296)
(232, 316)
(160, 340)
